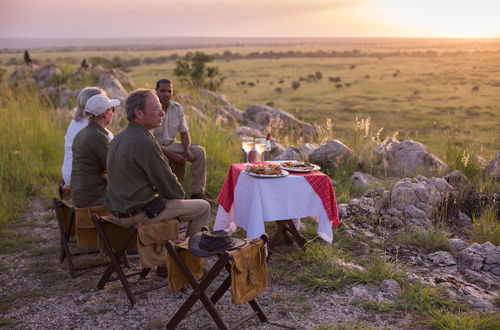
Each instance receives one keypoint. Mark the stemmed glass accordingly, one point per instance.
(260, 146)
(247, 144)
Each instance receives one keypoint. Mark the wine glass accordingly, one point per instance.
(260, 146)
(247, 144)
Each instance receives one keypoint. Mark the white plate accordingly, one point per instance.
(283, 174)
(302, 170)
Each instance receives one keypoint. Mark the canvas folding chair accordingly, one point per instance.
(65, 215)
(114, 240)
(224, 261)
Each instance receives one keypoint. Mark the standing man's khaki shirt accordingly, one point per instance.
(172, 123)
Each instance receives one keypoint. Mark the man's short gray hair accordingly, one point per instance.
(81, 100)
(136, 101)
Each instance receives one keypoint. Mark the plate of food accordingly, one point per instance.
(266, 171)
(297, 166)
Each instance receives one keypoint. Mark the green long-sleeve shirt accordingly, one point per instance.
(138, 171)
(88, 176)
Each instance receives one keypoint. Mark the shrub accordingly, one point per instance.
(192, 69)
(295, 84)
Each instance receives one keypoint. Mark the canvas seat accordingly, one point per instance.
(181, 263)
(65, 216)
(115, 239)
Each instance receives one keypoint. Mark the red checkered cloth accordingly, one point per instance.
(322, 185)
(226, 194)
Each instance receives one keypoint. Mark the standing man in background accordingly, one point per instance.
(174, 122)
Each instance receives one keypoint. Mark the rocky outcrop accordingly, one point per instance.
(481, 257)
(407, 158)
(297, 153)
(418, 198)
(331, 154)
(265, 118)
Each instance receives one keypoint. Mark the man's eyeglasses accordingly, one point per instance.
(112, 109)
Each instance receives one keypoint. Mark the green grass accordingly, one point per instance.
(420, 298)
(486, 226)
(31, 149)
(7, 301)
(12, 241)
(319, 268)
(431, 239)
(378, 269)
(463, 321)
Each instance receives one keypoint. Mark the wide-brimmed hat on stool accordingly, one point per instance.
(205, 243)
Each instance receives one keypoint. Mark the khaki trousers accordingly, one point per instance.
(198, 167)
(196, 212)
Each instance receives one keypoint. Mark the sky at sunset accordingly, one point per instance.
(249, 18)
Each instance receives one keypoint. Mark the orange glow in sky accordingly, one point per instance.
(249, 18)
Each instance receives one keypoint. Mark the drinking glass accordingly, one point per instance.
(247, 144)
(260, 146)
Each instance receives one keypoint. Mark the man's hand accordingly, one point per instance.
(176, 157)
(172, 156)
(189, 155)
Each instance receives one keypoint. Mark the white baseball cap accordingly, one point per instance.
(98, 104)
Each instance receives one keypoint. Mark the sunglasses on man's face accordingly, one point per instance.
(112, 109)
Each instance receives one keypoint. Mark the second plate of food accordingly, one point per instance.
(297, 166)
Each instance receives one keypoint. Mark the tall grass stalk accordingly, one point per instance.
(31, 149)
(486, 227)
(222, 147)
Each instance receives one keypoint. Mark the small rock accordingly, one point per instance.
(442, 259)
(390, 288)
(457, 244)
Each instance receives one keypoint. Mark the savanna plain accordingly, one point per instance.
(443, 93)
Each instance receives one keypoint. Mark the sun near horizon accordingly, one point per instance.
(250, 18)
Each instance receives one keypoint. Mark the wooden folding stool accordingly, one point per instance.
(200, 286)
(65, 215)
(116, 251)
(285, 227)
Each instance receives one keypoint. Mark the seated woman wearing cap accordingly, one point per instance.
(90, 148)
(79, 121)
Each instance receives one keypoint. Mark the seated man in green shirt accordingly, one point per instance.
(90, 147)
(141, 185)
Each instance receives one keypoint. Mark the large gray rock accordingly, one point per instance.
(331, 153)
(417, 198)
(47, 75)
(493, 168)
(297, 153)
(442, 259)
(223, 106)
(281, 123)
(113, 87)
(364, 179)
(477, 257)
(408, 158)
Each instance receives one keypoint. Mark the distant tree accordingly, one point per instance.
(295, 84)
(27, 58)
(192, 70)
(278, 90)
(2, 74)
(318, 75)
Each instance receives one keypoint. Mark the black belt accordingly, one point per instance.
(126, 215)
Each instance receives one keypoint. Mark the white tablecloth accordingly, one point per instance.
(257, 200)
